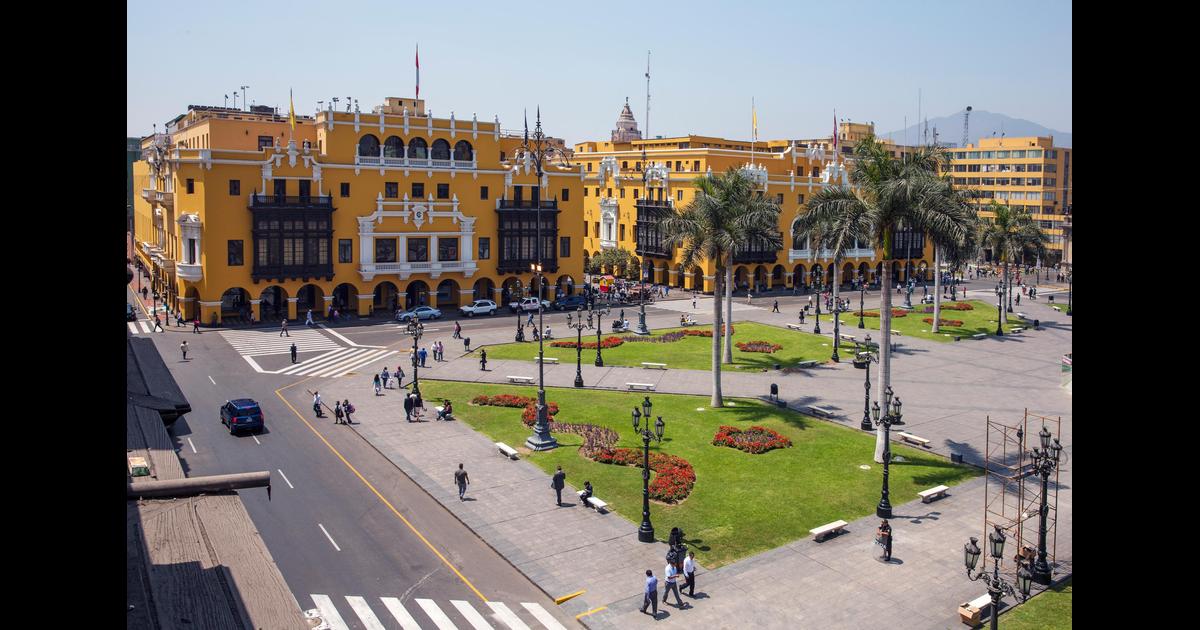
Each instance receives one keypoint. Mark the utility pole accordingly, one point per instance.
(966, 126)
(244, 97)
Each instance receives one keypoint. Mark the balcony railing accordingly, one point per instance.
(435, 268)
(411, 162)
(283, 272)
(526, 204)
(286, 201)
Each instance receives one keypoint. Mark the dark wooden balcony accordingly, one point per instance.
(321, 202)
(526, 204)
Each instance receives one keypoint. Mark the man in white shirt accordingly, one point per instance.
(670, 584)
(689, 572)
(317, 404)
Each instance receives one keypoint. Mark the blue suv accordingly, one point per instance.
(242, 414)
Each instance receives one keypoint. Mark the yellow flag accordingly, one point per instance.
(291, 110)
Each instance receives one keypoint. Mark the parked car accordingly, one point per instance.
(130, 315)
(528, 304)
(479, 307)
(571, 302)
(242, 414)
(420, 312)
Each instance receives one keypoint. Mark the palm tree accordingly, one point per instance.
(956, 202)
(1009, 234)
(835, 234)
(752, 219)
(887, 195)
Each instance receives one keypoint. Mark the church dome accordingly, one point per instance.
(627, 128)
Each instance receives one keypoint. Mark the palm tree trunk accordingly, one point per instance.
(716, 341)
(885, 348)
(836, 315)
(937, 288)
(728, 354)
(1007, 284)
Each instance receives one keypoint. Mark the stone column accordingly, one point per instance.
(466, 296)
(256, 308)
(364, 305)
(291, 312)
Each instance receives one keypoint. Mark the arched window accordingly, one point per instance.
(368, 146)
(393, 147)
(417, 148)
(462, 151)
(441, 150)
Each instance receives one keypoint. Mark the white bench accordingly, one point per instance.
(646, 386)
(809, 363)
(971, 613)
(654, 366)
(979, 336)
(914, 439)
(820, 411)
(794, 326)
(850, 338)
(932, 493)
(595, 501)
(1023, 316)
(822, 532)
(896, 332)
(506, 450)
(1016, 330)
(553, 360)
(1056, 308)
(528, 380)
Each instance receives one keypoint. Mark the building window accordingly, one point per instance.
(610, 193)
(564, 246)
(622, 231)
(191, 186)
(624, 165)
(265, 142)
(635, 193)
(385, 250)
(391, 190)
(696, 165)
(679, 195)
(1050, 168)
(597, 192)
(418, 250)
(236, 254)
(485, 247)
(418, 190)
(235, 187)
(585, 191)
(345, 189)
(443, 191)
(483, 192)
(622, 193)
(566, 194)
(345, 247)
(448, 248)
(779, 198)
(589, 167)
(305, 188)
(972, 168)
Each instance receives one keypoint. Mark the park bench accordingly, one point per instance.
(1016, 330)
(936, 492)
(850, 338)
(1022, 316)
(896, 332)
(1056, 308)
(688, 322)
(979, 336)
(553, 360)
(654, 366)
(809, 363)
(528, 380)
(438, 409)
(596, 502)
(794, 326)
(506, 450)
(971, 613)
(913, 439)
(824, 531)
(646, 386)
(820, 411)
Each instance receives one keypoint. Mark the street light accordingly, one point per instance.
(863, 360)
(891, 416)
(999, 304)
(520, 314)
(996, 586)
(862, 294)
(541, 440)
(600, 313)
(646, 531)
(819, 285)
(579, 325)
(1045, 462)
(837, 320)
(641, 327)
(415, 329)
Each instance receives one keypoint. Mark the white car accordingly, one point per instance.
(479, 307)
(529, 304)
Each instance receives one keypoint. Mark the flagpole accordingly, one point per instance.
(753, 129)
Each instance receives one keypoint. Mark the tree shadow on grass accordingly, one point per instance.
(753, 413)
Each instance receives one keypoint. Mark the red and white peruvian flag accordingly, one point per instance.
(418, 71)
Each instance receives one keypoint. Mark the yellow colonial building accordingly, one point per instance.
(239, 214)
(619, 213)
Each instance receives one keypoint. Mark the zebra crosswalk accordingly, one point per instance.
(335, 359)
(361, 614)
(338, 362)
(254, 343)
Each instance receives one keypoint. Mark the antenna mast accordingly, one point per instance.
(966, 126)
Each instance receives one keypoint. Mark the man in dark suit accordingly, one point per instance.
(408, 407)
(558, 483)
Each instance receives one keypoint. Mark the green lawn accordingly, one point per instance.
(741, 503)
(694, 353)
(980, 320)
(1049, 611)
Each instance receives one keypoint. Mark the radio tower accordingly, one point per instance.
(966, 126)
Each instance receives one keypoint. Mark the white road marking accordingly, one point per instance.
(472, 615)
(439, 618)
(378, 354)
(397, 609)
(508, 616)
(192, 445)
(546, 618)
(133, 327)
(285, 479)
(335, 545)
(339, 336)
(211, 381)
(318, 361)
(329, 612)
(256, 439)
(144, 325)
(364, 612)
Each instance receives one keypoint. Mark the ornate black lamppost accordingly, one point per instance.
(862, 294)
(579, 325)
(996, 586)
(863, 360)
(817, 324)
(541, 440)
(600, 313)
(1045, 462)
(641, 327)
(999, 305)
(891, 417)
(1011, 273)
(837, 310)
(520, 315)
(415, 328)
(646, 531)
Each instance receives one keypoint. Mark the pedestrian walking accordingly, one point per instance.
(557, 482)
(196, 326)
(293, 353)
(693, 301)
(483, 360)
(157, 324)
(317, 404)
(801, 317)
(671, 575)
(179, 319)
(689, 573)
(883, 538)
(650, 593)
(183, 347)
(462, 481)
(385, 376)
(375, 382)
(775, 307)
(338, 414)
(529, 322)
(457, 331)
(466, 344)
(308, 320)
(809, 302)
(1018, 299)
(283, 331)
(748, 298)
(423, 354)
(348, 409)
(408, 407)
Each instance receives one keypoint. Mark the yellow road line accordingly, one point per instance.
(594, 610)
(560, 600)
(377, 493)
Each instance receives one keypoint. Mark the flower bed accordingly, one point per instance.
(674, 479)
(958, 306)
(753, 440)
(606, 343)
(670, 337)
(502, 400)
(945, 322)
(707, 332)
(896, 312)
(758, 346)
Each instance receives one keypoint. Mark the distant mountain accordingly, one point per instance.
(983, 123)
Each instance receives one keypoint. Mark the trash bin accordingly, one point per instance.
(956, 458)
(1037, 324)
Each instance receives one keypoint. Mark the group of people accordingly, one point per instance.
(681, 564)
(341, 410)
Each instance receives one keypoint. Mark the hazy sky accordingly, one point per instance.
(799, 60)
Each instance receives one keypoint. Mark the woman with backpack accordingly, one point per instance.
(377, 384)
(348, 409)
